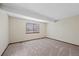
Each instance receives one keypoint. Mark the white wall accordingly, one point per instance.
(18, 30)
(66, 30)
(3, 31)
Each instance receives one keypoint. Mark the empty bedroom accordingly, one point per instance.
(39, 29)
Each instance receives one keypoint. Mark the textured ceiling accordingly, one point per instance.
(50, 11)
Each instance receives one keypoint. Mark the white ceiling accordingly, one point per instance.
(53, 11)
(56, 11)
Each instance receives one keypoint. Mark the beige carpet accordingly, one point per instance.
(42, 47)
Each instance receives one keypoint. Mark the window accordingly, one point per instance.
(32, 28)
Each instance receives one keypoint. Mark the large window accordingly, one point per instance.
(32, 28)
